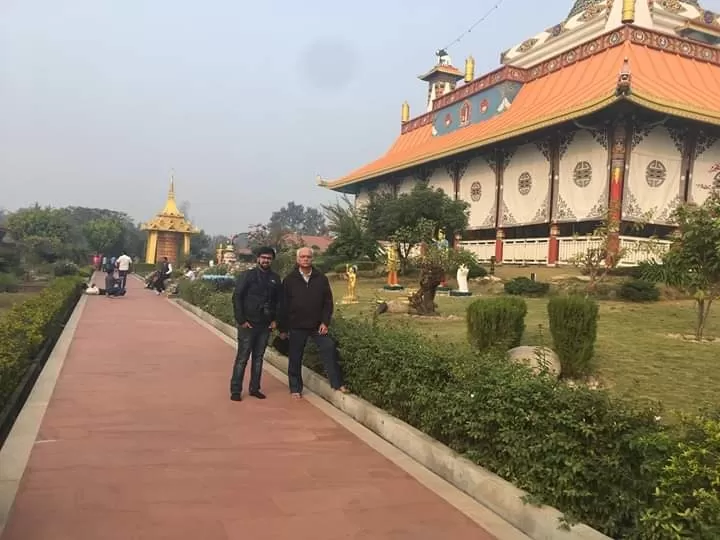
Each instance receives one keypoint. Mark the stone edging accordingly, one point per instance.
(498, 495)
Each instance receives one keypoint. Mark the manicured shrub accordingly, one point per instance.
(639, 290)
(26, 325)
(498, 321)
(522, 286)
(599, 459)
(9, 283)
(687, 498)
(573, 326)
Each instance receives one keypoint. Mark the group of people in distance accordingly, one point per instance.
(116, 272)
(300, 307)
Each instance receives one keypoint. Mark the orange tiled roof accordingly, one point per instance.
(662, 81)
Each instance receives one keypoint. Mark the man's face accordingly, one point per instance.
(304, 259)
(264, 261)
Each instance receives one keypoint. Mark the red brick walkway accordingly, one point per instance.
(140, 441)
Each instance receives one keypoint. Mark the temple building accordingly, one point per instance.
(614, 109)
(168, 232)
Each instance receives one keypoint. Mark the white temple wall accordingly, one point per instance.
(440, 178)
(526, 186)
(583, 185)
(362, 198)
(653, 186)
(406, 185)
(706, 167)
(478, 188)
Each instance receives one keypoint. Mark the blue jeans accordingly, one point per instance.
(328, 355)
(251, 341)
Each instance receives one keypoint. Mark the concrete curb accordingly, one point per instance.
(498, 495)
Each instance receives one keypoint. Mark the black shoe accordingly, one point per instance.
(258, 394)
(236, 397)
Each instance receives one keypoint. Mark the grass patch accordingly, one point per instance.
(634, 353)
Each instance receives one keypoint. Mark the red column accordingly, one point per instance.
(618, 160)
(553, 245)
(499, 235)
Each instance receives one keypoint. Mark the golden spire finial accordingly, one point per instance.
(469, 69)
(171, 193)
(405, 115)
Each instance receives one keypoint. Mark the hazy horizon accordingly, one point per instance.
(247, 102)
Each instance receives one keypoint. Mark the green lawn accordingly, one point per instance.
(634, 354)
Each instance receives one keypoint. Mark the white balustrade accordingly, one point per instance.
(525, 251)
(571, 247)
(482, 249)
(637, 250)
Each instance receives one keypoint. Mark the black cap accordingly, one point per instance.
(265, 250)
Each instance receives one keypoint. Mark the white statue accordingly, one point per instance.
(462, 278)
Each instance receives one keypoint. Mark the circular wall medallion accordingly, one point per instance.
(582, 174)
(475, 191)
(524, 183)
(655, 173)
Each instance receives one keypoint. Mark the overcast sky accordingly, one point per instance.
(247, 101)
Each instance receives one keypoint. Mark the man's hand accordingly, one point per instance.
(323, 330)
(246, 325)
(283, 335)
(273, 325)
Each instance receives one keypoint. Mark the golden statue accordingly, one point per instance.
(351, 274)
(392, 266)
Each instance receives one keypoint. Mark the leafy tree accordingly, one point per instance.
(262, 235)
(692, 263)
(404, 218)
(352, 240)
(295, 218)
(102, 233)
(201, 247)
(41, 232)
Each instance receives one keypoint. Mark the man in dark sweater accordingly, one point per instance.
(307, 308)
(255, 304)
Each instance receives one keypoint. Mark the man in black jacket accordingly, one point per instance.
(307, 309)
(255, 303)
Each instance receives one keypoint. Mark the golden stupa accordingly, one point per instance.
(166, 231)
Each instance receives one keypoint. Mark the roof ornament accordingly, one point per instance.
(624, 79)
(443, 58)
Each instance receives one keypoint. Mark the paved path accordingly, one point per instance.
(141, 441)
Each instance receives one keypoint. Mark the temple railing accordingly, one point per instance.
(639, 250)
(482, 249)
(525, 251)
(636, 249)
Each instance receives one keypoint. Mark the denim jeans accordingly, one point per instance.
(328, 355)
(251, 341)
(123, 278)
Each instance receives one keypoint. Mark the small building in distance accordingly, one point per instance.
(614, 110)
(169, 232)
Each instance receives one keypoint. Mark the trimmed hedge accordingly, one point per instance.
(573, 326)
(639, 290)
(522, 286)
(498, 321)
(599, 459)
(26, 325)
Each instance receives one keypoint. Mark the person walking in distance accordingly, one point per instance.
(123, 265)
(255, 306)
(306, 312)
(164, 273)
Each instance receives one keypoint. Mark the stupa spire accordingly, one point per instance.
(171, 208)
